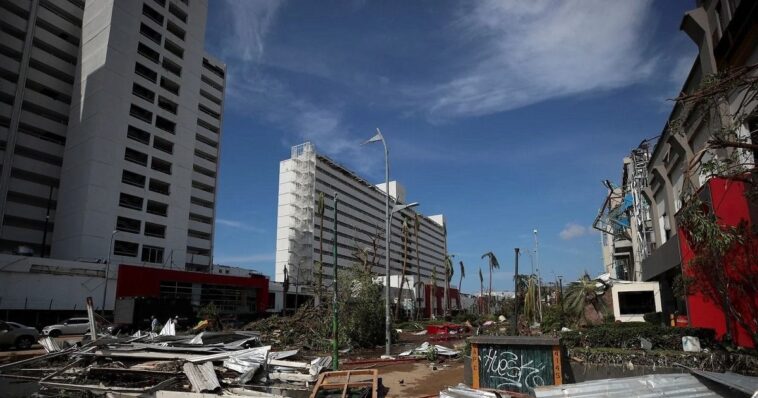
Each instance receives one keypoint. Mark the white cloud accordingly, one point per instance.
(524, 52)
(250, 22)
(573, 230)
(238, 225)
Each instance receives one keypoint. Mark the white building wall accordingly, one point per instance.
(361, 216)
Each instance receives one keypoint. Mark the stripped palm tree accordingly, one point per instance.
(460, 280)
(406, 230)
(493, 264)
(481, 289)
(449, 271)
(320, 270)
(433, 295)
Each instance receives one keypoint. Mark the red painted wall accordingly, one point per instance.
(731, 208)
(139, 281)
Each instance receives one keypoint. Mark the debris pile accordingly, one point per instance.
(309, 328)
(228, 362)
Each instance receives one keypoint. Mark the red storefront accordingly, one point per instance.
(230, 294)
(727, 200)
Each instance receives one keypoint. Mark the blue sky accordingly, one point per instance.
(503, 115)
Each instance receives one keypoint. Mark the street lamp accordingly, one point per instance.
(107, 267)
(387, 224)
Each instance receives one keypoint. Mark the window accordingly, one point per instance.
(148, 53)
(172, 67)
(150, 33)
(143, 93)
(44, 112)
(205, 156)
(155, 230)
(200, 202)
(175, 11)
(128, 225)
(152, 254)
(146, 72)
(130, 201)
(170, 86)
(199, 218)
(210, 97)
(198, 251)
(152, 14)
(128, 177)
(211, 83)
(167, 104)
(123, 248)
(205, 140)
(175, 29)
(271, 301)
(135, 156)
(173, 48)
(204, 171)
(157, 208)
(207, 126)
(141, 114)
(163, 145)
(197, 234)
(159, 186)
(216, 70)
(202, 187)
(165, 124)
(161, 165)
(208, 111)
(138, 135)
(161, 3)
(47, 91)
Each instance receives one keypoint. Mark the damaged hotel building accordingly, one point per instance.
(110, 126)
(643, 240)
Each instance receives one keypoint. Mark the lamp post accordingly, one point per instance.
(539, 278)
(387, 225)
(107, 267)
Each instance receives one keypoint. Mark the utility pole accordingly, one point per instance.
(516, 289)
(335, 318)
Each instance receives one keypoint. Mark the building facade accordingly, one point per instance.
(110, 123)
(307, 177)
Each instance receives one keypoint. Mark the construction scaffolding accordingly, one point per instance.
(302, 218)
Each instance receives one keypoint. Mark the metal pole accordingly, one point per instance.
(539, 279)
(335, 319)
(516, 289)
(388, 225)
(107, 268)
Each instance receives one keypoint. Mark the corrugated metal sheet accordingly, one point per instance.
(746, 384)
(653, 386)
(202, 377)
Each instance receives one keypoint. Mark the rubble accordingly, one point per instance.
(425, 348)
(146, 364)
(309, 328)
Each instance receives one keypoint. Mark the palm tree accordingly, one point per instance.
(285, 288)
(494, 264)
(581, 293)
(449, 271)
(433, 295)
(320, 211)
(406, 229)
(416, 228)
(481, 289)
(460, 280)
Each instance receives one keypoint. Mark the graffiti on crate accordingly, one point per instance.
(508, 370)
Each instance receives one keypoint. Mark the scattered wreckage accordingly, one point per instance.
(151, 365)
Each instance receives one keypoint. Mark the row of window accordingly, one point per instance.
(146, 116)
(134, 226)
(150, 254)
(136, 202)
(140, 158)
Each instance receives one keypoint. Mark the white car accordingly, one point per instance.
(69, 326)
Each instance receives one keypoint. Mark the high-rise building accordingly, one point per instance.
(303, 179)
(110, 123)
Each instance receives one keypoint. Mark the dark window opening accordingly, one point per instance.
(161, 165)
(199, 218)
(210, 97)
(128, 177)
(201, 202)
(204, 171)
(163, 145)
(138, 135)
(157, 208)
(152, 254)
(197, 234)
(635, 303)
(173, 48)
(211, 83)
(146, 72)
(205, 156)
(175, 11)
(216, 70)
(207, 126)
(123, 248)
(170, 85)
(208, 111)
(175, 29)
(172, 67)
(165, 124)
(128, 225)
(167, 104)
(205, 140)
(159, 186)
(150, 33)
(130, 201)
(41, 134)
(155, 230)
(148, 53)
(141, 114)
(149, 12)
(135, 156)
(202, 187)
(142, 92)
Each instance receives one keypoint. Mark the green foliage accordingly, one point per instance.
(553, 318)
(656, 318)
(581, 293)
(626, 335)
(361, 309)
(209, 311)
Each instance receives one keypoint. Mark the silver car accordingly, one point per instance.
(69, 326)
(14, 334)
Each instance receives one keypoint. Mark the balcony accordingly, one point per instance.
(663, 259)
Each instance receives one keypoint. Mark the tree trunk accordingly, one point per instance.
(402, 275)
(416, 228)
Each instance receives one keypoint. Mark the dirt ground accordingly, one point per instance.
(420, 379)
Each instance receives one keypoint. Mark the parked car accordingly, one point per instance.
(69, 326)
(14, 334)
